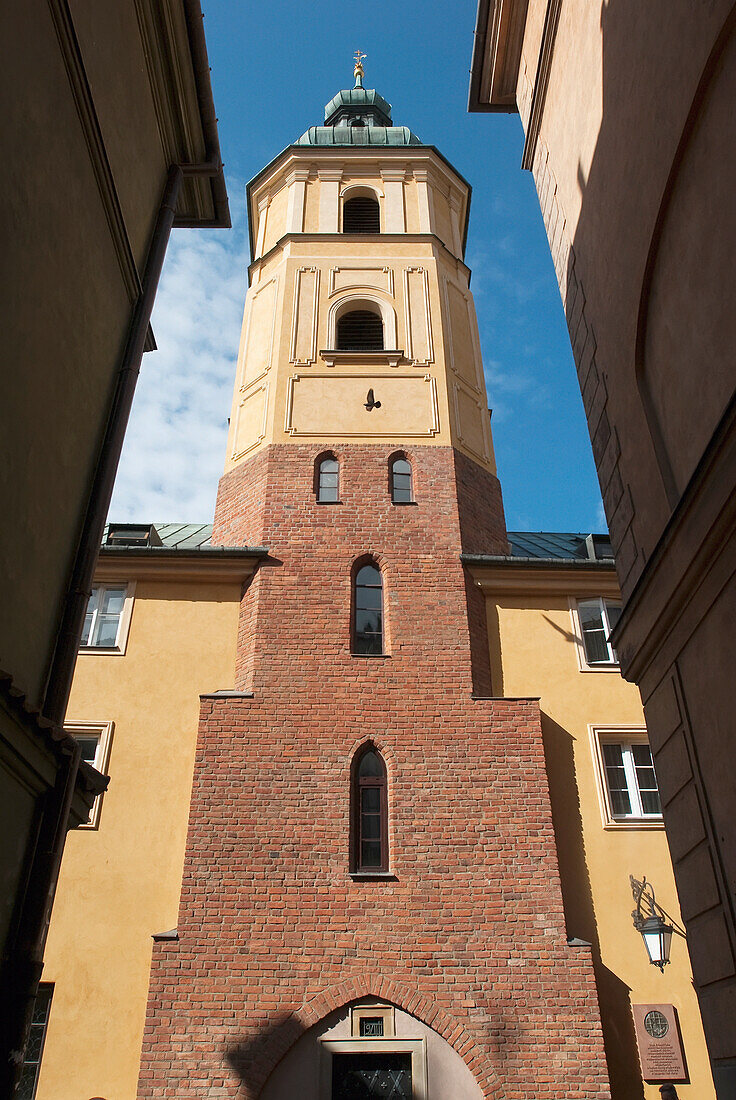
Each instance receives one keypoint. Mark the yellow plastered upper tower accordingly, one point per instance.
(358, 284)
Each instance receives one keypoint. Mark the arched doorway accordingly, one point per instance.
(371, 1048)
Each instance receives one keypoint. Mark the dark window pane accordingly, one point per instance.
(594, 633)
(89, 748)
(616, 780)
(41, 1005)
(368, 621)
(368, 599)
(620, 803)
(402, 467)
(402, 496)
(32, 1054)
(368, 574)
(371, 827)
(646, 779)
(368, 643)
(329, 466)
(33, 1046)
(370, 853)
(650, 803)
(613, 610)
(370, 765)
(27, 1085)
(370, 799)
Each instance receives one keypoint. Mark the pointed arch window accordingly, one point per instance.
(402, 488)
(361, 214)
(328, 480)
(370, 812)
(360, 330)
(368, 610)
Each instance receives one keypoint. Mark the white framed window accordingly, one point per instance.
(96, 742)
(593, 620)
(627, 779)
(107, 619)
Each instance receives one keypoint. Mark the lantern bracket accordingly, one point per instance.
(649, 917)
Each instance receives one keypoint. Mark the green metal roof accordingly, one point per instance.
(355, 101)
(354, 135)
(358, 116)
(527, 545)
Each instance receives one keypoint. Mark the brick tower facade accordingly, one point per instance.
(371, 903)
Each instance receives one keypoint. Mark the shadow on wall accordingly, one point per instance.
(657, 204)
(287, 1059)
(618, 1028)
(253, 1058)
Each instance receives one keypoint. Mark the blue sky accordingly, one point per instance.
(274, 66)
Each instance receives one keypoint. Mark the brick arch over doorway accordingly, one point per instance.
(402, 995)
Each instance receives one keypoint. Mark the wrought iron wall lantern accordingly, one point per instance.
(655, 925)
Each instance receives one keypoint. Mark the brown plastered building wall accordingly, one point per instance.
(626, 108)
(107, 109)
(467, 931)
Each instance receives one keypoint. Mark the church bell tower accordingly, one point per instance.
(371, 903)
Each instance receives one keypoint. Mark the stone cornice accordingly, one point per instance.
(542, 576)
(214, 564)
(409, 239)
(326, 158)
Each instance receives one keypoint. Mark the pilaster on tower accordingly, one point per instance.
(358, 216)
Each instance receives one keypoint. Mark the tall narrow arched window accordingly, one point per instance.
(328, 480)
(370, 812)
(368, 610)
(360, 330)
(402, 490)
(361, 215)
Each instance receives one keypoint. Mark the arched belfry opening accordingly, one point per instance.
(360, 329)
(361, 214)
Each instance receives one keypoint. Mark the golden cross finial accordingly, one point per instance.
(358, 72)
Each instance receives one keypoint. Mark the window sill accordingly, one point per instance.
(404, 503)
(372, 656)
(601, 668)
(328, 502)
(634, 823)
(391, 356)
(385, 876)
(101, 650)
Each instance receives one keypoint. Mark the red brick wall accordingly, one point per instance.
(298, 606)
(468, 933)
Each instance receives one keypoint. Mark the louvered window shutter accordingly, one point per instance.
(361, 215)
(360, 330)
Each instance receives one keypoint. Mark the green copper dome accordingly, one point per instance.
(358, 116)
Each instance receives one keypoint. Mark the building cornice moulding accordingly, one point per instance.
(544, 577)
(215, 565)
(498, 41)
(286, 245)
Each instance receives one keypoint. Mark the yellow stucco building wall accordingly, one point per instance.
(120, 883)
(535, 648)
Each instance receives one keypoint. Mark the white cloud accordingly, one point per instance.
(174, 449)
